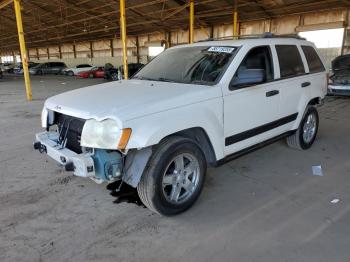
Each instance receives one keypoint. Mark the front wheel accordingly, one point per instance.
(305, 135)
(174, 176)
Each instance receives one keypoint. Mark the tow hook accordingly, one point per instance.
(40, 147)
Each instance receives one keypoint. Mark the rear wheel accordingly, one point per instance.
(174, 177)
(305, 136)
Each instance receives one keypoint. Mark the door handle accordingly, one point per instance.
(272, 93)
(305, 84)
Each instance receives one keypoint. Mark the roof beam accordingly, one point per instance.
(5, 3)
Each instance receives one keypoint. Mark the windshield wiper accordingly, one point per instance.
(144, 78)
(162, 79)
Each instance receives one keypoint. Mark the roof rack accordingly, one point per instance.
(256, 36)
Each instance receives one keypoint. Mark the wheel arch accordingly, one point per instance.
(198, 135)
(315, 101)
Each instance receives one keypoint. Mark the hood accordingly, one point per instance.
(126, 100)
(341, 63)
(341, 70)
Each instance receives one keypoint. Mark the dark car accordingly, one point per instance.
(114, 74)
(48, 68)
(340, 78)
(1, 74)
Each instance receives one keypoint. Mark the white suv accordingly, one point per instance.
(191, 107)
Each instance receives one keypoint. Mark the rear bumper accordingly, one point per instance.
(81, 164)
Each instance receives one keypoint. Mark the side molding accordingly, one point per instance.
(260, 129)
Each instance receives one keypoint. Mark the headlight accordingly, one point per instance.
(102, 134)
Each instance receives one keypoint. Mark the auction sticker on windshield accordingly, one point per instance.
(221, 49)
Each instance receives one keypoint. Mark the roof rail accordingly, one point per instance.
(257, 36)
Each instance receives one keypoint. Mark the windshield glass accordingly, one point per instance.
(202, 65)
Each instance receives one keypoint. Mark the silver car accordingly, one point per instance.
(48, 68)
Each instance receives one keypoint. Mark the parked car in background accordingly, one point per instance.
(18, 69)
(95, 72)
(1, 74)
(191, 107)
(48, 68)
(75, 70)
(340, 78)
(114, 74)
(7, 67)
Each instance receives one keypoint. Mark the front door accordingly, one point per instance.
(251, 108)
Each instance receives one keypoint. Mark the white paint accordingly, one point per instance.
(154, 110)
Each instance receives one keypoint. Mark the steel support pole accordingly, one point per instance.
(235, 20)
(191, 27)
(123, 35)
(235, 23)
(22, 46)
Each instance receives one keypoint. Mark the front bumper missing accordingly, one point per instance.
(99, 165)
(81, 164)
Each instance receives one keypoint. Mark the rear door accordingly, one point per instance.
(46, 68)
(251, 107)
(293, 81)
(51, 68)
(316, 72)
(56, 67)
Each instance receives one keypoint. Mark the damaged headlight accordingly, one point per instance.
(47, 117)
(101, 134)
(44, 117)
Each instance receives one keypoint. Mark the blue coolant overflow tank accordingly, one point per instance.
(108, 164)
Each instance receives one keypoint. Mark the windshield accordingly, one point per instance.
(190, 65)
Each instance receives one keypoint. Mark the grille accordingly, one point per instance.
(70, 128)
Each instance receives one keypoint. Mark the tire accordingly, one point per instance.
(302, 139)
(114, 77)
(70, 73)
(162, 189)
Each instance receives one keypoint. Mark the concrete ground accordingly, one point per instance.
(265, 206)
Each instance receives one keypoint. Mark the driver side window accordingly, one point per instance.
(256, 68)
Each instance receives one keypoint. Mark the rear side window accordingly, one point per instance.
(84, 65)
(313, 60)
(290, 61)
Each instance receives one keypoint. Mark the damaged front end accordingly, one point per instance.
(62, 142)
(340, 80)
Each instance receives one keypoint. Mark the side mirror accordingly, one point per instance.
(247, 77)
